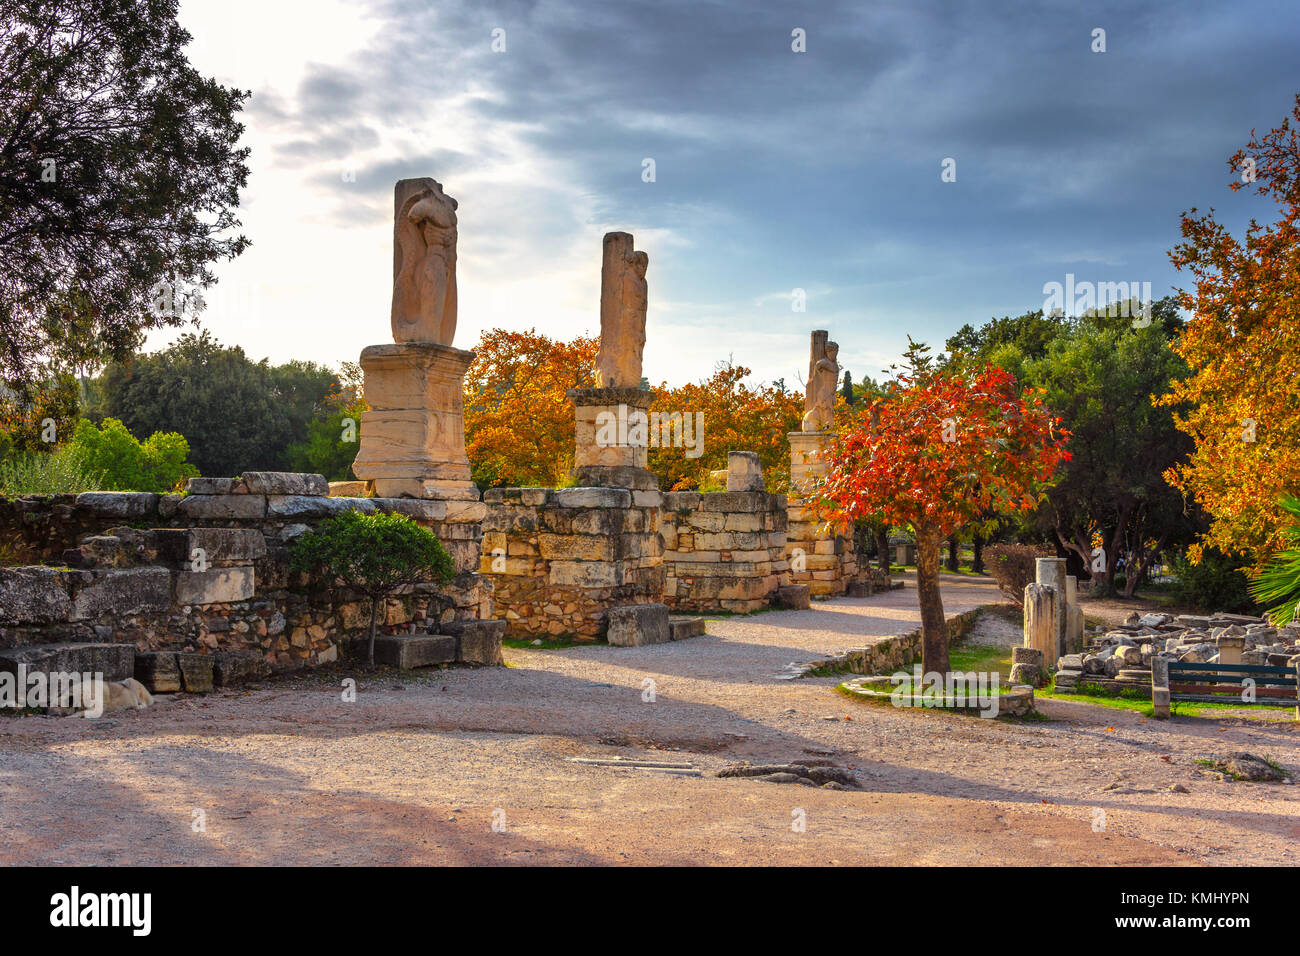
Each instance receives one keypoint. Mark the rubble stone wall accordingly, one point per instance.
(559, 558)
(723, 550)
(209, 571)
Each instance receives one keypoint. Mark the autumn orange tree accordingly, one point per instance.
(944, 447)
(1242, 346)
(737, 417)
(518, 422)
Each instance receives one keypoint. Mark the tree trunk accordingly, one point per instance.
(374, 620)
(977, 554)
(882, 549)
(952, 554)
(934, 633)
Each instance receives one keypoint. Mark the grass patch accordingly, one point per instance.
(980, 657)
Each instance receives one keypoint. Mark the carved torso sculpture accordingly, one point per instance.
(823, 377)
(623, 302)
(424, 263)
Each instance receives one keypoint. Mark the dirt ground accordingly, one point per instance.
(476, 767)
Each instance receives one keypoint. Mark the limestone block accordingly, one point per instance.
(580, 547)
(742, 522)
(584, 574)
(223, 507)
(122, 592)
(285, 483)
(158, 671)
(591, 498)
(477, 642)
(218, 545)
(744, 471)
(118, 504)
(420, 509)
(114, 661)
(350, 489)
(635, 625)
(465, 512)
(196, 672)
(794, 597)
(34, 595)
(233, 667)
(313, 506)
(407, 651)
(215, 586)
(215, 486)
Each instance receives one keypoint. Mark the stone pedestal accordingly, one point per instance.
(612, 438)
(413, 437)
(819, 558)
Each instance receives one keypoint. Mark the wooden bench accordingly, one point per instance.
(1223, 684)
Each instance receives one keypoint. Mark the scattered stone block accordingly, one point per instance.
(795, 597)
(238, 667)
(158, 671)
(477, 642)
(114, 661)
(681, 628)
(744, 471)
(196, 672)
(634, 625)
(408, 651)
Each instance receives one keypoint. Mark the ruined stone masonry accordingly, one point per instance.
(560, 558)
(208, 573)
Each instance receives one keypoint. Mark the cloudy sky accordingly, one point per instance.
(775, 170)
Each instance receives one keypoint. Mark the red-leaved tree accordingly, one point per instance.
(940, 448)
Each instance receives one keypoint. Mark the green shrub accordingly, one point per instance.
(157, 464)
(1218, 583)
(59, 472)
(374, 554)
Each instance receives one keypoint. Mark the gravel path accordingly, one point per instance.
(419, 768)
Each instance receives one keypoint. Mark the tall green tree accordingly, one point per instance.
(1098, 373)
(237, 414)
(120, 171)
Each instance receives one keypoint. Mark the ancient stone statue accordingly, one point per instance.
(424, 263)
(823, 378)
(623, 301)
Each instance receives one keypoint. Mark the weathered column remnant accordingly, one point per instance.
(1040, 622)
(818, 557)
(413, 437)
(612, 420)
(1047, 611)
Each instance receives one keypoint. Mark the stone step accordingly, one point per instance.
(680, 628)
(114, 661)
(407, 651)
(634, 625)
(794, 596)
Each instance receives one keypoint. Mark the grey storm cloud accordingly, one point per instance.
(1060, 151)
